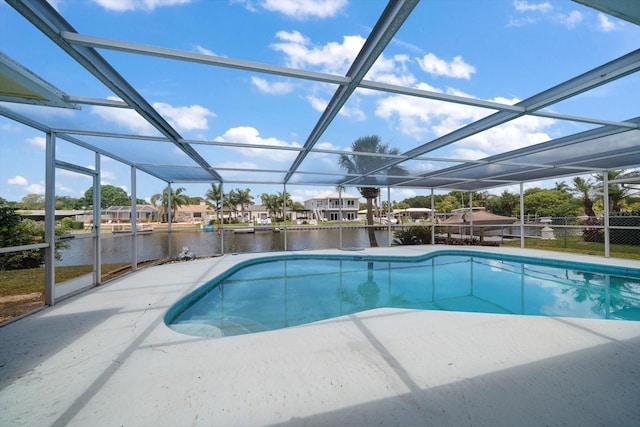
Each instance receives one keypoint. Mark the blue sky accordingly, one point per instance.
(496, 50)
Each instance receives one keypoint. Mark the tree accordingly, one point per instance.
(508, 204)
(360, 164)
(282, 200)
(448, 203)
(110, 195)
(16, 231)
(562, 186)
(274, 203)
(270, 203)
(418, 202)
(584, 188)
(549, 203)
(617, 192)
(66, 202)
(242, 198)
(33, 202)
(213, 197)
(177, 199)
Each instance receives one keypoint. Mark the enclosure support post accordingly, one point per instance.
(50, 221)
(471, 215)
(433, 220)
(134, 221)
(284, 213)
(97, 221)
(221, 213)
(605, 183)
(340, 223)
(169, 219)
(389, 215)
(521, 215)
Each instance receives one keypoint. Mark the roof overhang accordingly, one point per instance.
(18, 84)
(629, 10)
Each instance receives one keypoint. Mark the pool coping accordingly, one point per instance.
(105, 357)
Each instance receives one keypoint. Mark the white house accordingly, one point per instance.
(327, 206)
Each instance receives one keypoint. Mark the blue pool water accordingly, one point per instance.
(273, 293)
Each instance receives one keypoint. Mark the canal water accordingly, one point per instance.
(117, 248)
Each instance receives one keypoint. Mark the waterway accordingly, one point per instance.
(117, 248)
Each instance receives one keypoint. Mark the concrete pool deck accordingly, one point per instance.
(106, 358)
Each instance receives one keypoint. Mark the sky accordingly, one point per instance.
(495, 50)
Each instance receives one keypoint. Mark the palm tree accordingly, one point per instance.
(282, 200)
(584, 187)
(177, 199)
(562, 186)
(359, 164)
(270, 203)
(213, 197)
(273, 203)
(617, 193)
(244, 199)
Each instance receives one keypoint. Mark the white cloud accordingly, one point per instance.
(336, 58)
(107, 174)
(518, 133)
(129, 5)
(302, 9)
(74, 175)
(124, 118)
(317, 104)
(241, 166)
(183, 118)
(391, 70)
(250, 135)
(351, 111)
(333, 58)
(324, 161)
(427, 119)
(193, 117)
(204, 50)
(35, 189)
(18, 180)
(238, 165)
(9, 127)
(531, 13)
(439, 67)
(571, 19)
(38, 142)
(467, 154)
(63, 189)
(24, 183)
(605, 24)
(524, 6)
(419, 117)
(275, 88)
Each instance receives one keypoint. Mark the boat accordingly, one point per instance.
(244, 230)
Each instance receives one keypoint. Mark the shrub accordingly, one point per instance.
(591, 233)
(412, 236)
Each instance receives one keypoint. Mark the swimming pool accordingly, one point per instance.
(278, 292)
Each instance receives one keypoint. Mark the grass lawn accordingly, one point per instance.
(576, 244)
(22, 291)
